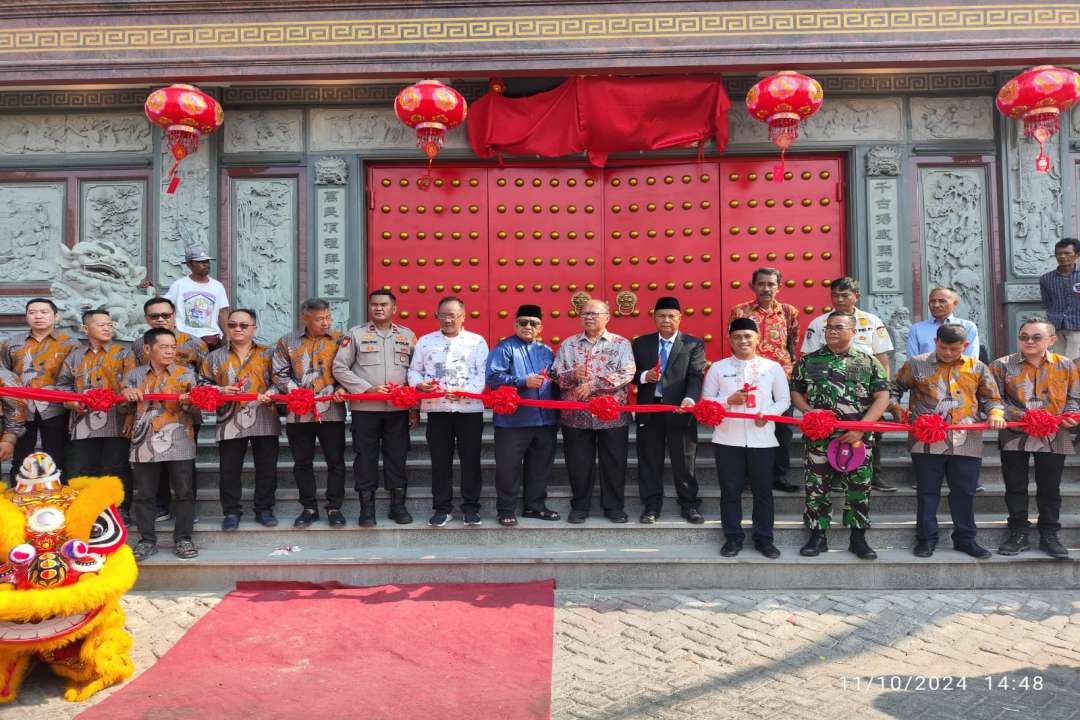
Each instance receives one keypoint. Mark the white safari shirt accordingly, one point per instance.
(871, 335)
(771, 397)
(457, 363)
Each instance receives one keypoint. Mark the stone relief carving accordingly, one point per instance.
(113, 212)
(96, 274)
(883, 161)
(368, 129)
(1038, 219)
(31, 231)
(339, 312)
(1022, 292)
(899, 325)
(54, 134)
(14, 304)
(185, 216)
(968, 118)
(954, 235)
(264, 131)
(856, 120)
(331, 170)
(264, 242)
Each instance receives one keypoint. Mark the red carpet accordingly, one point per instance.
(297, 650)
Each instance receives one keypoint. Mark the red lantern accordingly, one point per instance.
(185, 113)
(431, 108)
(783, 100)
(1038, 96)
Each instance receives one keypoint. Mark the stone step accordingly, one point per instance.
(611, 565)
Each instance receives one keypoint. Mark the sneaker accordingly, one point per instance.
(439, 519)
(162, 514)
(1051, 545)
(266, 518)
(1016, 543)
(305, 518)
(472, 519)
(230, 523)
(185, 549)
(145, 549)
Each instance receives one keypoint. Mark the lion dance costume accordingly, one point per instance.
(64, 566)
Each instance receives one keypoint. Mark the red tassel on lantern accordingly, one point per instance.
(1037, 97)
(185, 113)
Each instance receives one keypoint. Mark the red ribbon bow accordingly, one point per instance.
(929, 429)
(604, 408)
(709, 412)
(1039, 423)
(301, 401)
(100, 399)
(818, 424)
(404, 396)
(503, 400)
(207, 398)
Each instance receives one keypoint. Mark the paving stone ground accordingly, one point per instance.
(622, 655)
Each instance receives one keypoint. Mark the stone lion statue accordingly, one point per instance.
(98, 274)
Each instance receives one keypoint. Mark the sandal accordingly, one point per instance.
(544, 514)
(507, 520)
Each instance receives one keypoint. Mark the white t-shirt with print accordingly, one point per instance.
(197, 305)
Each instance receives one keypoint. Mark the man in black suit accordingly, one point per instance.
(674, 368)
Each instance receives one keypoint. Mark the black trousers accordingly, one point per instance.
(1048, 469)
(102, 456)
(54, 439)
(163, 481)
(383, 433)
(737, 467)
(264, 451)
(782, 457)
(331, 437)
(654, 438)
(580, 449)
(445, 432)
(145, 477)
(962, 474)
(523, 452)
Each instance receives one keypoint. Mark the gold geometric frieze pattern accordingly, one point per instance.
(552, 28)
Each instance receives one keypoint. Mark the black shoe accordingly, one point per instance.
(616, 516)
(266, 518)
(335, 518)
(766, 548)
(577, 516)
(1049, 544)
(693, 516)
(230, 522)
(924, 548)
(439, 519)
(367, 510)
(162, 514)
(471, 518)
(145, 549)
(973, 549)
(185, 549)
(545, 514)
(857, 545)
(305, 518)
(882, 485)
(648, 517)
(816, 545)
(784, 486)
(398, 513)
(1016, 543)
(731, 547)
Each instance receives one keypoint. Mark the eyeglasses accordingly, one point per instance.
(1032, 338)
(243, 326)
(528, 323)
(160, 316)
(837, 328)
(590, 315)
(448, 316)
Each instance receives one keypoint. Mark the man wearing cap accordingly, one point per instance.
(674, 369)
(746, 383)
(959, 389)
(853, 386)
(525, 440)
(201, 300)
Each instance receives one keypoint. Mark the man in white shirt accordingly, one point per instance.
(452, 358)
(744, 449)
(871, 337)
(201, 301)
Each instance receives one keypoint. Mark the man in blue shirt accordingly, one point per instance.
(1060, 290)
(943, 302)
(525, 440)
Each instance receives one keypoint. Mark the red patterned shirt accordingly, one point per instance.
(778, 328)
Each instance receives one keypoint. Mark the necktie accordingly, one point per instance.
(665, 346)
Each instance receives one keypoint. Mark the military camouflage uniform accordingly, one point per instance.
(844, 383)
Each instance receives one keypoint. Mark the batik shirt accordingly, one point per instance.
(609, 361)
(164, 431)
(778, 329)
(301, 361)
(961, 392)
(84, 369)
(190, 351)
(13, 419)
(223, 367)
(842, 382)
(36, 364)
(1053, 386)
(456, 363)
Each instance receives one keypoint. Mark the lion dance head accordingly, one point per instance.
(64, 566)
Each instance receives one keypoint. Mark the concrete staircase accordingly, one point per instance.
(671, 553)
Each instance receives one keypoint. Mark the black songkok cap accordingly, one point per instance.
(742, 324)
(532, 311)
(667, 303)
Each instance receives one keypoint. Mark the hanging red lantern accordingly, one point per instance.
(185, 113)
(431, 108)
(784, 100)
(1038, 96)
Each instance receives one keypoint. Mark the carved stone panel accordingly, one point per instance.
(114, 211)
(897, 319)
(1037, 218)
(954, 236)
(264, 131)
(184, 216)
(31, 231)
(883, 233)
(883, 161)
(55, 134)
(331, 170)
(368, 129)
(264, 221)
(962, 118)
(854, 120)
(1022, 292)
(331, 232)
